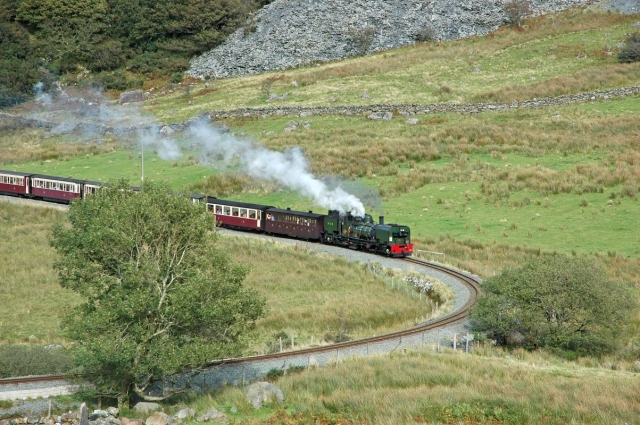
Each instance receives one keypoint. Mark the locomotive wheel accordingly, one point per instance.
(387, 252)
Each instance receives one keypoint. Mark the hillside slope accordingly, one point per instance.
(290, 33)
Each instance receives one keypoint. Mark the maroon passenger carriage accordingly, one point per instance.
(57, 189)
(15, 183)
(237, 215)
(296, 224)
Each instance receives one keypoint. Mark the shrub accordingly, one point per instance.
(631, 51)
(176, 77)
(516, 11)
(25, 360)
(426, 34)
(362, 38)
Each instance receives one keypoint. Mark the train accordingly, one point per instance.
(334, 228)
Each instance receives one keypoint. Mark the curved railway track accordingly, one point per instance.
(238, 370)
(471, 283)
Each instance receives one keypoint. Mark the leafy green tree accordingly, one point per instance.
(18, 64)
(159, 296)
(555, 301)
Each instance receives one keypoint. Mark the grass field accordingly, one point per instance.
(488, 387)
(315, 298)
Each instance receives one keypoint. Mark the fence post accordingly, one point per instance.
(455, 342)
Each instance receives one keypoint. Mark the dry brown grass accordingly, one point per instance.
(609, 76)
(450, 388)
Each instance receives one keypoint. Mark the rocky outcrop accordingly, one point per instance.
(110, 417)
(263, 392)
(290, 33)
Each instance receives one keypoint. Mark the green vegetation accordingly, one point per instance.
(158, 295)
(313, 310)
(28, 360)
(482, 192)
(557, 302)
(486, 387)
(30, 295)
(631, 50)
(118, 43)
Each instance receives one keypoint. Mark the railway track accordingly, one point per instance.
(470, 282)
(31, 379)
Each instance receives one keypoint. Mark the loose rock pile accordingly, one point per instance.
(256, 394)
(290, 33)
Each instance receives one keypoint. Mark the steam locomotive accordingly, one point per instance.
(334, 228)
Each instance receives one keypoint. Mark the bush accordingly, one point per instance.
(631, 51)
(426, 34)
(516, 11)
(362, 38)
(25, 360)
(116, 80)
(176, 77)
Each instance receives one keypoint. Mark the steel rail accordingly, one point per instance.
(30, 379)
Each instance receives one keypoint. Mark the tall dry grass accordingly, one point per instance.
(427, 387)
(542, 27)
(316, 297)
(31, 300)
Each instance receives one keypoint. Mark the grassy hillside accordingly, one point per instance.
(487, 191)
(566, 53)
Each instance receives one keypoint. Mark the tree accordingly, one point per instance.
(516, 11)
(555, 301)
(159, 296)
(631, 50)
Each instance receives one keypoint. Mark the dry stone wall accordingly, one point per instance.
(378, 111)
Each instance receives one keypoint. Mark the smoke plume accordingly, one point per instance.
(289, 168)
(92, 115)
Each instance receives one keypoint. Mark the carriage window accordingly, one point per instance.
(12, 180)
(227, 210)
(210, 207)
(243, 212)
(219, 209)
(252, 214)
(234, 212)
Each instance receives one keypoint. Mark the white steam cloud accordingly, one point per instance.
(289, 168)
(92, 115)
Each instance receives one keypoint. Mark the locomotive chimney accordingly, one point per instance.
(381, 219)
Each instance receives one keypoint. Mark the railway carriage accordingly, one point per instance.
(15, 183)
(237, 215)
(56, 189)
(296, 224)
(89, 188)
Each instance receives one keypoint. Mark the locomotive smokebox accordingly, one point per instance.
(381, 219)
